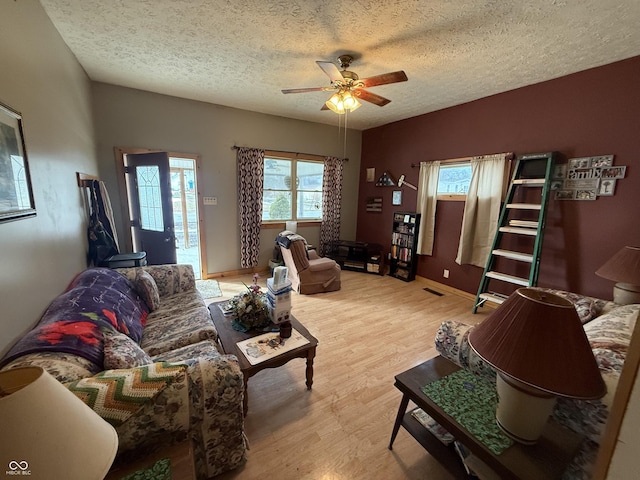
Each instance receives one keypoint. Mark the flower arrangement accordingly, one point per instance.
(250, 308)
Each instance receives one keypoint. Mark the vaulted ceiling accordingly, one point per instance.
(242, 53)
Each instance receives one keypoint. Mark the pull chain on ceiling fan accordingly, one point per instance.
(348, 87)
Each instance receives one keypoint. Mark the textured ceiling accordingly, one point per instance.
(241, 53)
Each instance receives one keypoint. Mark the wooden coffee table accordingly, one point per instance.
(229, 337)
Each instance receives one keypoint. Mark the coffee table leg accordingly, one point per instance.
(245, 397)
(401, 411)
(310, 356)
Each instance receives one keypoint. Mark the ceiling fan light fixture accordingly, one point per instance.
(335, 104)
(341, 102)
(350, 102)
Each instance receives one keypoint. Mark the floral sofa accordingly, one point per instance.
(608, 327)
(149, 326)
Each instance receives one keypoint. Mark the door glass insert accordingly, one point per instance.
(148, 178)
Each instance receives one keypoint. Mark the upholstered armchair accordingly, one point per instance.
(308, 272)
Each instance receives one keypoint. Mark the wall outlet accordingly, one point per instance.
(445, 274)
(210, 200)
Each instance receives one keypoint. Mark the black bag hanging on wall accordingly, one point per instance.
(101, 242)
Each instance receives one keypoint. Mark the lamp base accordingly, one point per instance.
(523, 410)
(626, 294)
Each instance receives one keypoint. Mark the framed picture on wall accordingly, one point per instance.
(396, 199)
(16, 196)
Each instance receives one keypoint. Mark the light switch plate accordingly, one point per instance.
(210, 200)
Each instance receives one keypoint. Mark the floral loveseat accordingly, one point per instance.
(149, 326)
(608, 327)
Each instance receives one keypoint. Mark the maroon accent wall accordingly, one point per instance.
(594, 112)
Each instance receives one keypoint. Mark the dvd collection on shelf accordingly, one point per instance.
(403, 244)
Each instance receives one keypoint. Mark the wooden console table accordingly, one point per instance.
(546, 459)
(359, 256)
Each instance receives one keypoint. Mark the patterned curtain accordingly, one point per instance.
(482, 209)
(331, 199)
(427, 201)
(250, 179)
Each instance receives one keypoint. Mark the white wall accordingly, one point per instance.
(624, 462)
(132, 118)
(42, 79)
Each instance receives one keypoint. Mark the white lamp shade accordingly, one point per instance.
(49, 432)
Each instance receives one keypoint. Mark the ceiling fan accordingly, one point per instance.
(348, 87)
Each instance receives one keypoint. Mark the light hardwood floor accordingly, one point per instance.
(372, 329)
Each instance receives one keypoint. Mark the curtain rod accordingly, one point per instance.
(235, 147)
(508, 156)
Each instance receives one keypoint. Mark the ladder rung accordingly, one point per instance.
(522, 257)
(509, 278)
(493, 298)
(519, 231)
(525, 206)
(530, 181)
(523, 223)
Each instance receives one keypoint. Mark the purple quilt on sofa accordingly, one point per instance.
(97, 299)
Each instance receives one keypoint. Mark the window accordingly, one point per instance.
(454, 179)
(292, 189)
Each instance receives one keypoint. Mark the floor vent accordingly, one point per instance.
(433, 291)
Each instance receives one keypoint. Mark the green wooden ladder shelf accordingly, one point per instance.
(531, 171)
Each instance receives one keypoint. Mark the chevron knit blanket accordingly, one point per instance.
(116, 395)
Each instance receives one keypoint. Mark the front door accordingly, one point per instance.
(151, 211)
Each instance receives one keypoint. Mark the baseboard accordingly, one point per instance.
(242, 271)
(441, 287)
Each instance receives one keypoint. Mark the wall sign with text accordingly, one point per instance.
(586, 178)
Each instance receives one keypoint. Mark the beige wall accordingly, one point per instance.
(42, 79)
(132, 118)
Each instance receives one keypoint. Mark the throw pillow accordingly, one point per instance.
(116, 395)
(120, 351)
(585, 306)
(148, 289)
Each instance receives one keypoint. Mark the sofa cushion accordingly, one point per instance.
(97, 299)
(585, 306)
(116, 395)
(64, 367)
(121, 351)
(170, 279)
(148, 289)
(613, 330)
(609, 336)
(190, 353)
(181, 320)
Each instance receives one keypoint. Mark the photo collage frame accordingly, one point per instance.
(586, 178)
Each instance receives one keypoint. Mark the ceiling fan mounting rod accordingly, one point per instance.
(345, 61)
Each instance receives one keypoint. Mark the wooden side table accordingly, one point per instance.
(180, 457)
(546, 459)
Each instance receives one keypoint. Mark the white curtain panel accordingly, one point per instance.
(482, 209)
(427, 201)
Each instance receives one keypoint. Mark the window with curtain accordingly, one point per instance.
(482, 209)
(454, 179)
(292, 189)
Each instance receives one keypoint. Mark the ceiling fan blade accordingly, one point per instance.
(331, 70)
(303, 90)
(385, 78)
(371, 97)
(324, 107)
